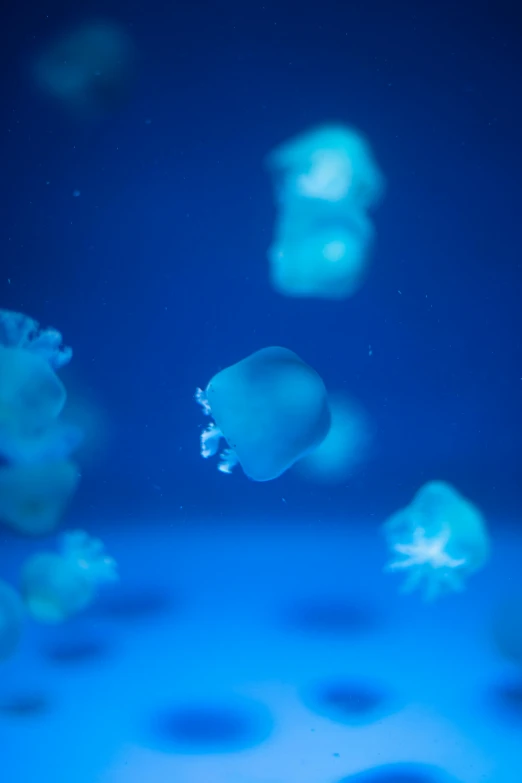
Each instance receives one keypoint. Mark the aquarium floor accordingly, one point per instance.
(262, 653)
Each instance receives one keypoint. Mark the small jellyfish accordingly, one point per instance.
(33, 497)
(331, 163)
(56, 586)
(89, 68)
(11, 619)
(271, 408)
(440, 539)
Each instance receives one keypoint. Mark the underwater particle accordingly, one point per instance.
(55, 586)
(271, 408)
(11, 619)
(325, 181)
(76, 193)
(88, 68)
(345, 446)
(33, 497)
(440, 539)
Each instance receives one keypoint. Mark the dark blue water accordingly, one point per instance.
(137, 221)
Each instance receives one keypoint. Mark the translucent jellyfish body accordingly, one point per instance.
(332, 163)
(56, 586)
(88, 68)
(439, 540)
(33, 497)
(271, 408)
(346, 445)
(325, 181)
(20, 331)
(11, 618)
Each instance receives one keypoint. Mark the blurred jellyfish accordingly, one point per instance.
(32, 396)
(325, 180)
(57, 586)
(271, 408)
(440, 539)
(345, 446)
(33, 497)
(11, 618)
(20, 331)
(89, 68)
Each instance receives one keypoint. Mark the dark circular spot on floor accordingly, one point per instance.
(332, 617)
(212, 728)
(506, 698)
(23, 705)
(72, 652)
(133, 605)
(349, 701)
(401, 773)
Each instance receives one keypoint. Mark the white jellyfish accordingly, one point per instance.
(11, 619)
(55, 586)
(33, 497)
(20, 331)
(326, 180)
(344, 448)
(271, 409)
(439, 540)
(331, 163)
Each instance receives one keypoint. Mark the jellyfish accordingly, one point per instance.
(56, 586)
(88, 68)
(32, 396)
(344, 448)
(21, 331)
(332, 163)
(11, 618)
(271, 409)
(440, 539)
(325, 181)
(33, 497)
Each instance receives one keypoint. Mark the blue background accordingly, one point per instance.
(157, 273)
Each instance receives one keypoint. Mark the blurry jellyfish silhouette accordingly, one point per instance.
(33, 497)
(271, 408)
(346, 445)
(11, 618)
(56, 586)
(89, 68)
(37, 479)
(440, 539)
(326, 180)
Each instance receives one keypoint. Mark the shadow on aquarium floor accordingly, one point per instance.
(277, 654)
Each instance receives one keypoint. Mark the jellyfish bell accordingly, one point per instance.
(271, 408)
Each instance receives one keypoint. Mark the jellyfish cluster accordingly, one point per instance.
(38, 478)
(326, 181)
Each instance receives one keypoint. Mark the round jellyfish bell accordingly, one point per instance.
(271, 408)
